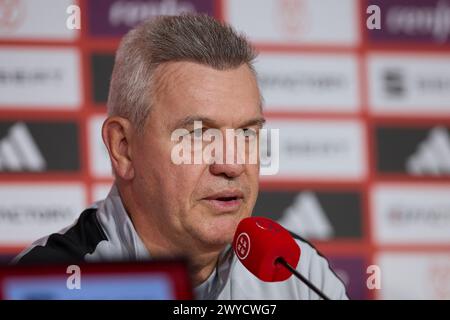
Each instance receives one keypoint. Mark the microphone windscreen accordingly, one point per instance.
(259, 242)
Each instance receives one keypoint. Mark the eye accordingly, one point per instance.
(249, 132)
(197, 133)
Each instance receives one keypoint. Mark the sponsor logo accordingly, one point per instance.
(407, 215)
(294, 22)
(417, 20)
(18, 151)
(427, 276)
(23, 77)
(243, 246)
(24, 19)
(394, 82)
(12, 13)
(434, 84)
(39, 78)
(116, 17)
(323, 150)
(432, 155)
(291, 17)
(298, 82)
(40, 215)
(28, 212)
(38, 147)
(411, 214)
(304, 82)
(308, 217)
(439, 274)
(414, 151)
(409, 85)
(131, 13)
(315, 215)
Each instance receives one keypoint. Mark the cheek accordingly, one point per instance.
(253, 178)
(153, 170)
(185, 180)
(253, 174)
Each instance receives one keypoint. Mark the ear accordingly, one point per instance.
(117, 133)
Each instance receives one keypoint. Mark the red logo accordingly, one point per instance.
(291, 17)
(440, 280)
(12, 13)
(243, 246)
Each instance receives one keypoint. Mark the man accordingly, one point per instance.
(169, 73)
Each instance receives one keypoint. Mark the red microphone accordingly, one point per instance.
(268, 251)
(259, 242)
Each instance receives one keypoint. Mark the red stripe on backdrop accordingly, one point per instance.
(410, 48)
(304, 48)
(279, 184)
(406, 122)
(410, 180)
(303, 115)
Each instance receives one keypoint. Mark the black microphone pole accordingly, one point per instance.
(283, 262)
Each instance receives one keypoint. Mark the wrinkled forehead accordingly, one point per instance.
(186, 89)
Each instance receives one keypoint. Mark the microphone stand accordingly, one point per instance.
(283, 262)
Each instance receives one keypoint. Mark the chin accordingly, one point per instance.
(218, 232)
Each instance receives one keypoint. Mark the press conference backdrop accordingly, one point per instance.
(364, 119)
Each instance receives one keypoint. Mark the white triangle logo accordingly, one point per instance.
(307, 218)
(432, 155)
(18, 151)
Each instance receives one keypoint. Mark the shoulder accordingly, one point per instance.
(70, 245)
(316, 268)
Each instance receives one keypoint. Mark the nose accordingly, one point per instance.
(229, 170)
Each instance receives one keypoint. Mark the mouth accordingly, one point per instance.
(226, 201)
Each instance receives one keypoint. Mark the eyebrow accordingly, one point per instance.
(189, 120)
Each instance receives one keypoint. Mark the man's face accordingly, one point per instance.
(197, 203)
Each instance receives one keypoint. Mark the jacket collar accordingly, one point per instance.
(124, 243)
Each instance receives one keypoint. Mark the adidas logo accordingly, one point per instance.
(307, 218)
(18, 151)
(432, 155)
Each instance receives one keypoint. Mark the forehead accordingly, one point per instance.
(186, 88)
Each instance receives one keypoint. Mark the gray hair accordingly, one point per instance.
(187, 37)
